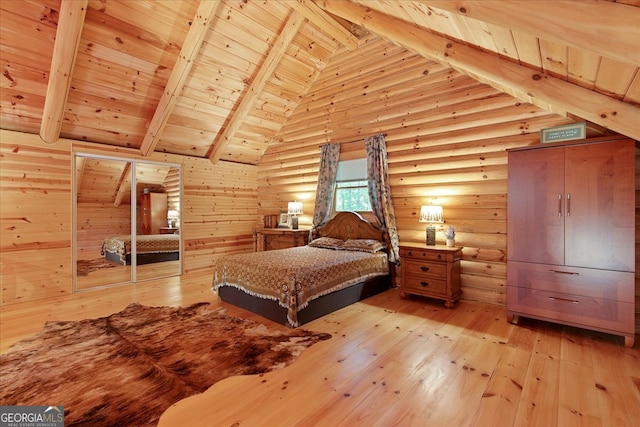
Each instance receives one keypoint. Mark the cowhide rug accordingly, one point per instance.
(127, 368)
(86, 266)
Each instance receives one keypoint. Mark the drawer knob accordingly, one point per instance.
(424, 284)
(439, 256)
(423, 268)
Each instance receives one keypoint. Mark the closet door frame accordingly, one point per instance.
(133, 163)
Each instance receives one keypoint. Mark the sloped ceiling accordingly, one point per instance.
(219, 79)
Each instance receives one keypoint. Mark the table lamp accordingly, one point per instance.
(431, 215)
(294, 208)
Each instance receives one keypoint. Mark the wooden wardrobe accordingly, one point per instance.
(153, 212)
(571, 234)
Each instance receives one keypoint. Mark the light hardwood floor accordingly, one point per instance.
(393, 362)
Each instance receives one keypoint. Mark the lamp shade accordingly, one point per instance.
(294, 208)
(172, 214)
(431, 214)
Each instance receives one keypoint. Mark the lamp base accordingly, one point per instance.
(294, 222)
(431, 236)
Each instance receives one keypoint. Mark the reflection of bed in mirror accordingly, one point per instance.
(150, 248)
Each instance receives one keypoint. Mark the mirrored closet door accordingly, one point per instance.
(127, 217)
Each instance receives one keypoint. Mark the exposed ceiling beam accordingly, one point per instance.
(247, 101)
(325, 22)
(190, 48)
(607, 28)
(598, 108)
(124, 185)
(65, 49)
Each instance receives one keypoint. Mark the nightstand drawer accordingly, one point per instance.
(424, 254)
(425, 284)
(426, 269)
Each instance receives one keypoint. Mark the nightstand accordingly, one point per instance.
(430, 271)
(266, 239)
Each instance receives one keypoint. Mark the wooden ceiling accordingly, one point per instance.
(219, 79)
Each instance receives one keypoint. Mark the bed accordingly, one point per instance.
(345, 261)
(150, 248)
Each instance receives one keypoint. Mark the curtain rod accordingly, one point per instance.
(350, 142)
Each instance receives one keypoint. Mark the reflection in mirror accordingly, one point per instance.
(104, 243)
(103, 211)
(158, 215)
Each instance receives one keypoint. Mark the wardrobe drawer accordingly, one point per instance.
(602, 284)
(578, 310)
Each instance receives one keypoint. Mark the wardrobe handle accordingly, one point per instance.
(564, 272)
(568, 204)
(572, 301)
(559, 205)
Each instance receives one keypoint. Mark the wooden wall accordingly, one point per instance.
(35, 217)
(218, 209)
(447, 137)
(97, 220)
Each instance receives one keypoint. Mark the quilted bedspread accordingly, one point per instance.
(297, 275)
(149, 243)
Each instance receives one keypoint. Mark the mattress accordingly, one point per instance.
(296, 276)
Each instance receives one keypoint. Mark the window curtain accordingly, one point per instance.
(380, 191)
(329, 157)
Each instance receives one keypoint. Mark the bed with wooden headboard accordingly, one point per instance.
(345, 261)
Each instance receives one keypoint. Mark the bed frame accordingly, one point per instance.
(344, 225)
(144, 258)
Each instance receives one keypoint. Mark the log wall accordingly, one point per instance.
(447, 137)
(35, 217)
(218, 213)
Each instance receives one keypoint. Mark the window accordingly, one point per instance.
(352, 193)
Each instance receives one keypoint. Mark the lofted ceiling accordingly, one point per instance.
(219, 79)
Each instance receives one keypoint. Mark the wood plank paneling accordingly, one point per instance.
(447, 137)
(218, 213)
(35, 218)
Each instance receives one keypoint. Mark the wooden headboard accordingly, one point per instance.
(350, 225)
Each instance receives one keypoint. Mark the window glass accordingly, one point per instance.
(352, 196)
(352, 193)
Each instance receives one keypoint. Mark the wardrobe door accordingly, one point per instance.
(600, 213)
(535, 206)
